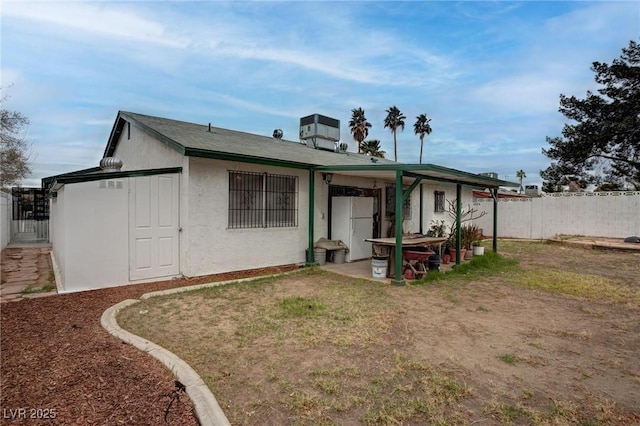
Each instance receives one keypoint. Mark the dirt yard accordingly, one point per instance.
(554, 340)
(59, 366)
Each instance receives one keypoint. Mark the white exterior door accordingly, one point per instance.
(154, 227)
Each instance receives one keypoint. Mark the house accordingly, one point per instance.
(180, 199)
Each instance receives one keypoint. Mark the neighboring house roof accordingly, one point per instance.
(501, 194)
(199, 140)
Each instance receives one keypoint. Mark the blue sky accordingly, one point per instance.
(488, 74)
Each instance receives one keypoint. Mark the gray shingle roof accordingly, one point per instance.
(188, 138)
(199, 140)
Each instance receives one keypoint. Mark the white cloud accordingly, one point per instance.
(103, 19)
(519, 94)
(491, 83)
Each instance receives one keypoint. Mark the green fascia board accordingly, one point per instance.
(116, 131)
(446, 180)
(90, 177)
(412, 170)
(48, 181)
(225, 156)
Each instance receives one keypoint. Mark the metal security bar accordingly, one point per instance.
(390, 203)
(30, 215)
(439, 201)
(262, 200)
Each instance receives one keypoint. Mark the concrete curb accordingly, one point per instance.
(206, 406)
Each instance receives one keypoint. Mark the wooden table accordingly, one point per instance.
(407, 241)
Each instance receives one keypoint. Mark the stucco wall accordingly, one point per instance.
(208, 244)
(138, 151)
(5, 219)
(90, 240)
(429, 213)
(613, 215)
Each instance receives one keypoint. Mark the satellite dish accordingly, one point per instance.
(277, 133)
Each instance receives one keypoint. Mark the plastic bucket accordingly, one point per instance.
(379, 267)
(434, 262)
(320, 256)
(339, 256)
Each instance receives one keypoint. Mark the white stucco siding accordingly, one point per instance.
(211, 247)
(429, 213)
(138, 151)
(91, 240)
(5, 219)
(57, 234)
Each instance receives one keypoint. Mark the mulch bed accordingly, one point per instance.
(56, 359)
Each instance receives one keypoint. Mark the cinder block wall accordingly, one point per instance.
(608, 214)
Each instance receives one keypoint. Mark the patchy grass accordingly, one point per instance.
(301, 307)
(575, 284)
(479, 267)
(314, 348)
(508, 358)
(44, 289)
(329, 353)
(578, 285)
(566, 237)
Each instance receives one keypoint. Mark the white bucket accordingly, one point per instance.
(320, 256)
(379, 267)
(339, 256)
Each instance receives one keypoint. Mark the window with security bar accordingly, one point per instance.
(439, 201)
(262, 200)
(390, 203)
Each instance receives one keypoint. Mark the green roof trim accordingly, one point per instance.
(48, 181)
(244, 159)
(90, 177)
(413, 170)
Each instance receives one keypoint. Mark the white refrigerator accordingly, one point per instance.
(352, 222)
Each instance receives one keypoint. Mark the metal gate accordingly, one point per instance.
(30, 215)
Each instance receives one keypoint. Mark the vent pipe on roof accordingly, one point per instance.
(209, 127)
(110, 164)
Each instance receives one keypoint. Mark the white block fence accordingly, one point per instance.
(596, 214)
(5, 219)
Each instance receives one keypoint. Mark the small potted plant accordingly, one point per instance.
(478, 248)
(453, 252)
(469, 233)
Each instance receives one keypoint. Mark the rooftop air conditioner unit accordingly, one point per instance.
(322, 131)
(493, 175)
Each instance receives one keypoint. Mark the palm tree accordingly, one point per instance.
(359, 126)
(372, 147)
(422, 128)
(520, 174)
(394, 120)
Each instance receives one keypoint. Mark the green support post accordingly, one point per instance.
(495, 219)
(458, 222)
(312, 187)
(398, 278)
(421, 211)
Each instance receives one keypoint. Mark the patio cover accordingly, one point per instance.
(412, 175)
